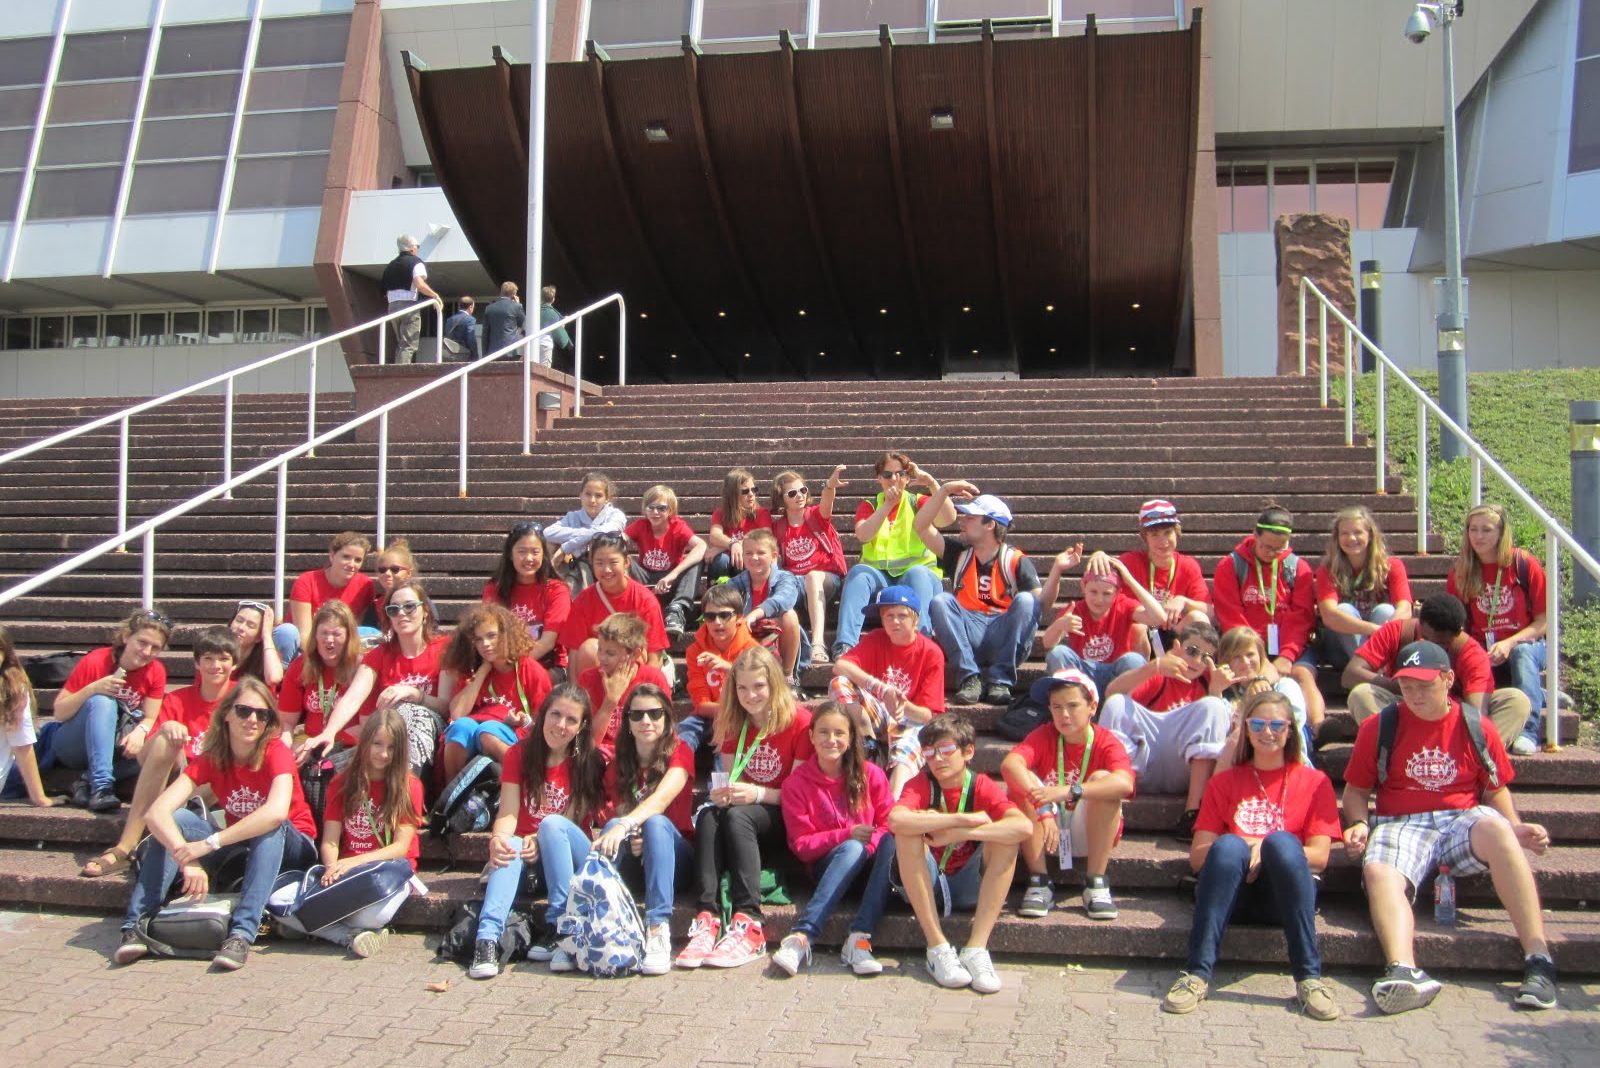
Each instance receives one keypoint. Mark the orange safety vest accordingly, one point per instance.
(1002, 581)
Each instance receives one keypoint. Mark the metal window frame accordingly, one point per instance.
(225, 195)
(25, 193)
(125, 184)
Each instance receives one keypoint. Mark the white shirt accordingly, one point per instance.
(20, 735)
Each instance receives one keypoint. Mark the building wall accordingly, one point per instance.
(147, 371)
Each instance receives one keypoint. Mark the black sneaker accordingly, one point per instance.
(104, 800)
(674, 624)
(543, 950)
(485, 959)
(971, 691)
(132, 948)
(231, 957)
(998, 694)
(1403, 988)
(79, 797)
(1538, 989)
(1184, 831)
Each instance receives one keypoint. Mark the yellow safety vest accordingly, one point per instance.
(896, 548)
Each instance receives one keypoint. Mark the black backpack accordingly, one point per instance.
(468, 801)
(1389, 723)
(460, 938)
(1021, 718)
(50, 672)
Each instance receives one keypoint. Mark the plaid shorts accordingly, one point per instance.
(1417, 844)
(904, 738)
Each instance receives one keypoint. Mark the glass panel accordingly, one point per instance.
(102, 143)
(185, 138)
(1584, 154)
(297, 42)
(10, 186)
(963, 10)
(14, 147)
(1336, 191)
(635, 21)
(52, 332)
(159, 188)
(752, 18)
(19, 333)
(212, 46)
(1078, 10)
(1224, 200)
(73, 194)
(322, 322)
(1373, 194)
(220, 326)
(25, 60)
(1588, 29)
(291, 324)
(213, 94)
(294, 89)
(118, 330)
(1291, 190)
(152, 328)
(93, 102)
(19, 107)
(255, 324)
(286, 131)
(90, 56)
(85, 332)
(186, 327)
(280, 182)
(1250, 198)
(842, 15)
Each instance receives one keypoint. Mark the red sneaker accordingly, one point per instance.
(744, 942)
(702, 939)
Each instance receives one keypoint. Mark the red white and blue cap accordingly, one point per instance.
(988, 506)
(1424, 661)
(1157, 513)
(1042, 688)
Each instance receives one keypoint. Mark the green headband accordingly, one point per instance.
(1274, 528)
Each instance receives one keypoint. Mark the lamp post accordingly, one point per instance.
(533, 292)
(1450, 310)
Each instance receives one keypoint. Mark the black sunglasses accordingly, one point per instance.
(637, 715)
(720, 617)
(156, 617)
(392, 569)
(244, 713)
(747, 491)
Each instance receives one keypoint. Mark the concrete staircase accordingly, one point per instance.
(1073, 458)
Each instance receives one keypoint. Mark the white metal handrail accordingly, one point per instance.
(226, 379)
(146, 530)
(1556, 536)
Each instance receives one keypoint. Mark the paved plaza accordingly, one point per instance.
(301, 1004)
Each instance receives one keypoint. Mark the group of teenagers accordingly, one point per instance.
(562, 676)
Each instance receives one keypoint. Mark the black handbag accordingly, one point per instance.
(188, 929)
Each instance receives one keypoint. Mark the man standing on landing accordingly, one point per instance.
(405, 277)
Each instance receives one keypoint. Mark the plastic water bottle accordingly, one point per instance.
(1444, 898)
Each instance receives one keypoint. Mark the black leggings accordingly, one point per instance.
(732, 838)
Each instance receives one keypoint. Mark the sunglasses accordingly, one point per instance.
(1194, 652)
(1273, 725)
(658, 507)
(798, 491)
(747, 491)
(526, 527)
(891, 475)
(720, 617)
(395, 610)
(245, 713)
(392, 569)
(637, 715)
(944, 749)
(156, 617)
(257, 605)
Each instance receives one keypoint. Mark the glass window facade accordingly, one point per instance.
(1251, 195)
(1583, 153)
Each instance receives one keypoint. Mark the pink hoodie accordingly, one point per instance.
(816, 815)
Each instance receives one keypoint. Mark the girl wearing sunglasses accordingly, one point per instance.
(252, 621)
(396, 564)
(1263, 835)
(404, 673)
(809, 546)
(649, 787)
(525, 582)
(252, 775)
(739, 513)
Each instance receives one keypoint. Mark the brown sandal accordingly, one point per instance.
(100, 867)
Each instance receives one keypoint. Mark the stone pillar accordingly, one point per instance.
(1317, 246)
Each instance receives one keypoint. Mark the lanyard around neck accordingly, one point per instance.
(961, 806)
(1061, 758)
(741, 757)
(1269, 595)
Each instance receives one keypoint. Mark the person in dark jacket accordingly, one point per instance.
(461, 332)
(502, 320)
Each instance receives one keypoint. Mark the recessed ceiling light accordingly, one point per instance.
(1135, 305)
(1049, 307)
(656, 132)
(942, 119)
(721, 314)
(883, 311)
(1052, 348)
(644, 315)
(1133, 348)
(897, 352)
(966, 307)
(974, 352)
(802, 311)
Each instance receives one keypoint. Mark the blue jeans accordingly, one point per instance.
(469, 734)
(665, 865)
(837, 872)
(1284, 893)
(284, 848)
(89, 740)
(694, 731)
(1064, 656)
(860, 589)
(286, 638)
(562, 847)
(998, 642)
(1338, 648)
(1526, 666)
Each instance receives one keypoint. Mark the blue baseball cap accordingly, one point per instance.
(901, 596)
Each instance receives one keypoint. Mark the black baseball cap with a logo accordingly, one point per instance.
(1424, 661)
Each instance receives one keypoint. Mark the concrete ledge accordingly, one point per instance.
(494, 401)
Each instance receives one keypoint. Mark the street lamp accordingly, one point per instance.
(533, 291)
(1450, 318)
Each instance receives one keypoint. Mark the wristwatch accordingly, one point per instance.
(213, 842)
(1076, 793)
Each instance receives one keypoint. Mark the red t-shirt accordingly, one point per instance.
(1469, 662)
(508, 691)
(1161, 694)
(137, 686)
(242, 790)
(773, 758)
(1039, 751)
(1253, 804)
(314, 703)
(553, 800)
(660, 554)
(680, 811)
(916, 670)
(541, 606)
(594, 685)
(186, 706)
(987, 796)
(314, 589)
(801, 547)
(1397, 588)
(357, 835)
(1516, 607)
(1182, 577)
(762, 520)
(865, 509)
(1432, 767)
(589, 611)
(1103, 640)
(394, 668)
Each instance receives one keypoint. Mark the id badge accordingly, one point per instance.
(1488, 638)
(1272, 639)
(1064, 846)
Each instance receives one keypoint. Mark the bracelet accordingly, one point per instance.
(1354, 823)
(1047, 809)
(214, 841)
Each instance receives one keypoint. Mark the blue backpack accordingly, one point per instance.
(601, 924)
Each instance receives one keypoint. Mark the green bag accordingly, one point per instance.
(772, 893)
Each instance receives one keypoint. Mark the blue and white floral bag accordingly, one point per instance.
(601, 926)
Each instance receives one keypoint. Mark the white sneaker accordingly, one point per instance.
(367, 943)
(978, 965)
(794, 952)
(856, 954)
(562, 961)
(657, 950)
(1097, 899)
(945, 967)
(1522, 745)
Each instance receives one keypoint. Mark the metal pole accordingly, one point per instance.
(527, 396)
(280, 542)
(1450, 323)
(461, 490)
(438, 336)
(1349, 390)
(122, 482)
(536, 101)
(150, 569)
(227, 437)
(383, 339)
(577, 370)
(1477, 480)
(1422, 477)
(311, 401)
(383, 477)
(622, 342)
(1302, 330)
(1381, 428)
(1371, 289)
(1322, 348)
(1585, 417)
(1552, 616)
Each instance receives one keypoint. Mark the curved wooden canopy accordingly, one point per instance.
(898, 211)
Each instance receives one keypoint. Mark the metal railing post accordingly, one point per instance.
(1349, 391)
(461, 490)
(1477, 480)
(1379, 443)
(1422, 476)
(311, 401)
(438, 337)
(622, 342)
(383, 341)
(577, 371)
(383, 477)
(122, 481)
(1552, 616)
(1322, 349)
(227, 437)
(149, 583)
(1302, 327)
(280, 540)
(527, 396)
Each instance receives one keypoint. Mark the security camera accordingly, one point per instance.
(1418, 26)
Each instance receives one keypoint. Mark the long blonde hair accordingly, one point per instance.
(16, 692)
(1469, 569)
(731, 716)
(1375, 576)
